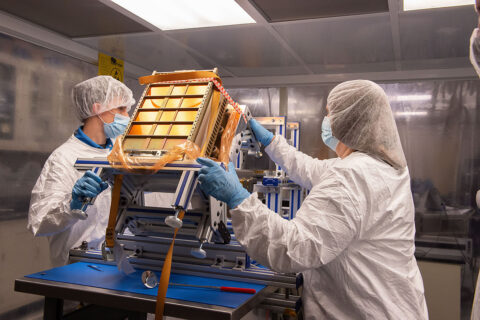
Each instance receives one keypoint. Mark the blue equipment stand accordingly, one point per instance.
(111, 288)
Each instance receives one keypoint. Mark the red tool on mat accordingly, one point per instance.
(226, 289)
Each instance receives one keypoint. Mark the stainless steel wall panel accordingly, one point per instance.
(36, 115)
(329, 45)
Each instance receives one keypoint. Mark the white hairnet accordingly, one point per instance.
(108, 92)
(361, 118)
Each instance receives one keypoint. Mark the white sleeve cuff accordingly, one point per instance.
(273, 146)
(245, 205)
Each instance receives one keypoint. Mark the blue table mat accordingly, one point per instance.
(111, 278)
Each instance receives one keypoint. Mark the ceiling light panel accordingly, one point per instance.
(289, 10)
(413, 97)
(430, 4)
(73, 19)
(187, 14)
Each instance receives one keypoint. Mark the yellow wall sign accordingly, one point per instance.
(110, 66)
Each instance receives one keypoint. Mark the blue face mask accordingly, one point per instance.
(117, 127)
(327, 135)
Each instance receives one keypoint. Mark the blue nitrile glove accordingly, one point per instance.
(88, 186)
(221, 184)
(263, 135)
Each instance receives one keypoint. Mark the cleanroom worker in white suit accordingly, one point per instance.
(102, 104)
(475, 60)
(353, 237)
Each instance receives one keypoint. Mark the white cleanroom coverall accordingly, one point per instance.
(474, 59)
(50, 213)
(353, 237)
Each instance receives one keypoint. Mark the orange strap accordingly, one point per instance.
(290, 313)
(161, 77)
(165, 277)
(112, 219)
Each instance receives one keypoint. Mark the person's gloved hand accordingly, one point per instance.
(221, 184)
(88, 186)
(263, 135)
